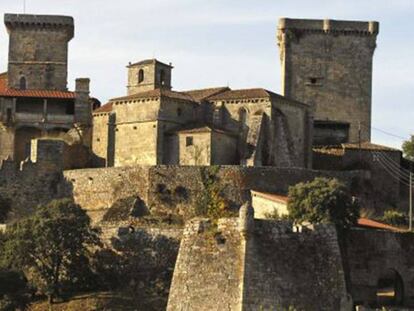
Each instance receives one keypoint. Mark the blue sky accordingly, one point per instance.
(219, 43)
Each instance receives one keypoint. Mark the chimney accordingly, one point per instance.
(83, 109)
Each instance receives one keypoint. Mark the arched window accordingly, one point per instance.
(162, 77)
(22, 83)
(242, 116)
(140, 76)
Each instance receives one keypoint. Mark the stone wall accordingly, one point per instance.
(33, 182)
(270, 268)
(370, 254)
(384, 185)
(208, 275)
(328, 64)
(176, 189)
(96, 190)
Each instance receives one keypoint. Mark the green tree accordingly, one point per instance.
(14, 291)
(210, 202)
(4, 209)
(55, 243)
(408, 148)
(322, 201)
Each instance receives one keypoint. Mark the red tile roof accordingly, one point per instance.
(244, 94)
(37, 93)
(369, 223)
(368, 146)
(202, 94)
(6, 92)
(199, 128)
(155, 94)
(149, 61)
(105, 108)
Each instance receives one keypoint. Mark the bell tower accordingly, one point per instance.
(148, 75)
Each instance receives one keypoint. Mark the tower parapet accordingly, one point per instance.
(38, 50)
(329, 25)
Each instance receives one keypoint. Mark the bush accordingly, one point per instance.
(395, 218)
(322, 201)
(4, 209)
(14, 291)
(210, 202)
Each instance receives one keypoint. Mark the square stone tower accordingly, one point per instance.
(328, 64)
(38, 51)
(148, 75)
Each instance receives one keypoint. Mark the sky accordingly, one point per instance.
(227, 43)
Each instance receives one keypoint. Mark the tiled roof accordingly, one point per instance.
(271, 196)
(37, 93)
(368, 146)
(244, 94)
(149, 61)
(369, 223)
(105, 108)
(6, 92)
(155, 93)
(199, 128)
(339, 149)
(202, 94)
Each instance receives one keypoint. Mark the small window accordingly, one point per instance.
(140, 75)
(9, 115)
(23, 83)
(189, 141)
(162, 77)
(179, 112)
(314, 81)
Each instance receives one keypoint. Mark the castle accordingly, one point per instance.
(326, 74)
(148, 150)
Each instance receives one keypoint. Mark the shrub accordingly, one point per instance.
(395, 218)
(323, 201)
(210, 202)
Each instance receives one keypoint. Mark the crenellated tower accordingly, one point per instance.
(328, 64)
(38, 51)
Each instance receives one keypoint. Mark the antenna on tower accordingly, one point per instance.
(24, 6)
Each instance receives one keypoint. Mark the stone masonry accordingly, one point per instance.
(328, 64)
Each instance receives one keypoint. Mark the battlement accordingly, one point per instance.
(13, 21)
(329, 26)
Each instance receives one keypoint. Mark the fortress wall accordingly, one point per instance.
(208, 275)
(27, 186)
(274, 268)
(371, 254)
(96, 190)
(178, 187)
(299, 269)
(175, 189)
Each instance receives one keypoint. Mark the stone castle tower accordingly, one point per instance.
(328, 64)
(38, 51)
(148, 75)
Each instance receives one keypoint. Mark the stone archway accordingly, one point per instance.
(390, 289)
